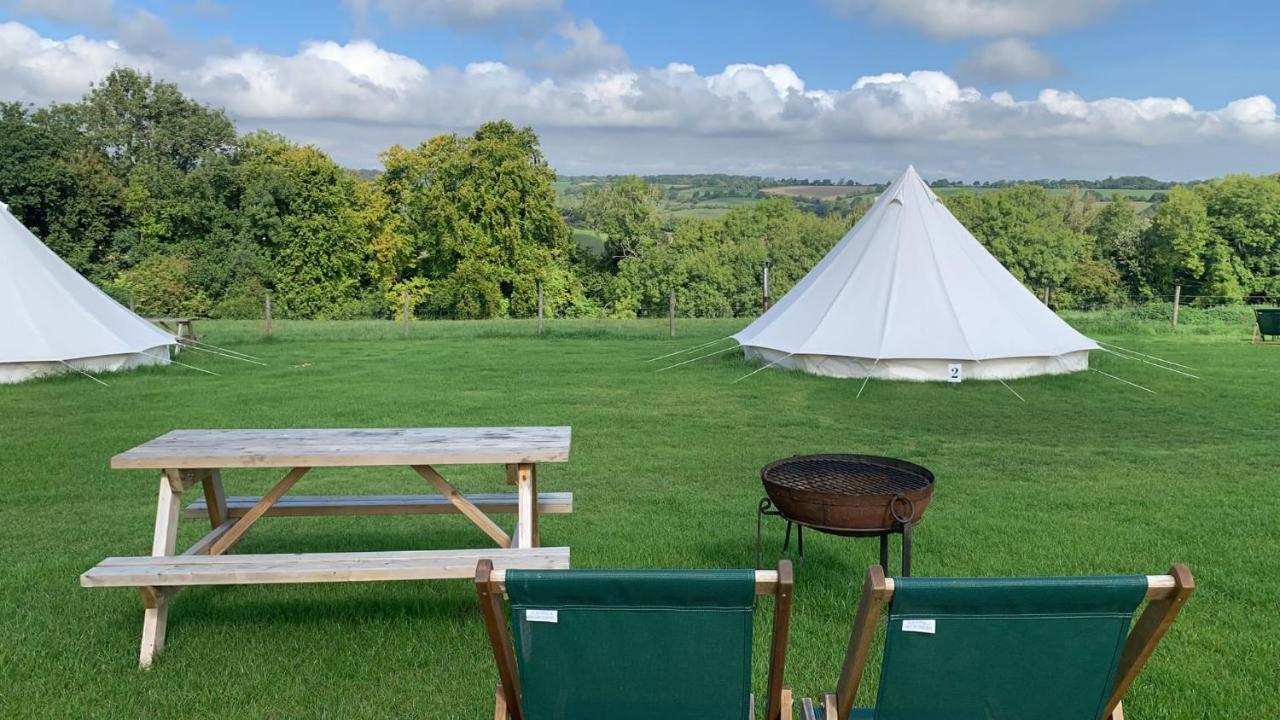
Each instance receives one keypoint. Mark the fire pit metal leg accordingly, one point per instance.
(884, 552)
(760, 513)
(906, 549)
(766, 508)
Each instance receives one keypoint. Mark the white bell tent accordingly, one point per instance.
(53, 320)
(910, 294)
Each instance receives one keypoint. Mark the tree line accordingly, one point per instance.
(156, 198)
(1218, 240)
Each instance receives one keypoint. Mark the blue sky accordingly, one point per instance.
(823, 88)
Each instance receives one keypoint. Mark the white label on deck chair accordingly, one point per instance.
(552, 616)
(955, 372)
(919, 626)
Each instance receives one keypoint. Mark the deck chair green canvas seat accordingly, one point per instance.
(1004, 648)
(632, 644)
(1266, 323)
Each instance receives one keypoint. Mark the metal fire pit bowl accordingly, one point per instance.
(847, 495)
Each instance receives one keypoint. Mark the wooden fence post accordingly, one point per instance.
(268, 313)
(404, 310)
(1177, 300)
(671, 314)
(539, 308)
(765, 303)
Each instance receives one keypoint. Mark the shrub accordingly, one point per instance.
(159, 285)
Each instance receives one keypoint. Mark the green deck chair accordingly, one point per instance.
(632, 644)
(1004, 648)
(1266, 322)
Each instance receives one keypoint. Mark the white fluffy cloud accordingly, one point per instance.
(1007, 60)
(357, 98)
(96, 13)
(584, 49)
(37, 69)
(454, 13)
(983, 18)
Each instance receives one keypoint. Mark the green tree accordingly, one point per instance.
(136, 120)
(1025, 228)
(1117, 232)
(303, 207)
(1244, 212)
(715, 265)
(1178, 240)
(476, 218)
(627, 213)
(57, 186)
(159, 286)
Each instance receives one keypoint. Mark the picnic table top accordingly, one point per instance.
(314, 447)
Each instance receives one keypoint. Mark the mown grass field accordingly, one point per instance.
(1087, 476)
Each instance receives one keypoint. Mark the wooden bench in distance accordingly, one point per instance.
(556, 503)
(182, 570)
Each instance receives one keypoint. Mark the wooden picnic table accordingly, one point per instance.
(183, 327)
(187, 457)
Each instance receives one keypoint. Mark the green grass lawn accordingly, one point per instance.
(1086, 476)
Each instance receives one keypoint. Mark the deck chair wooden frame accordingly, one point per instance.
(491, 587)
(1166, 594)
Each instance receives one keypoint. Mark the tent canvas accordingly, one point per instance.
(909, 294)
(53, 320)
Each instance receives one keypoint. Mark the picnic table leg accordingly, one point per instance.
(215, 498)
(155, 619)
(526, 482)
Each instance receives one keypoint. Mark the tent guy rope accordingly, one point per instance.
(1015, 392)
(763, 367)
(701, 357)
(689, 349)
(73, 367)
(233, 357)
(171, 361)
(1144, 355)
(1126, 382)
(189, 342)
(866, 379)
(1148, 362)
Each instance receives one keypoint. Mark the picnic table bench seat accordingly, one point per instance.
(278, 568)
(552, 503)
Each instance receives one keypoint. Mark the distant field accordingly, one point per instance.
(700, 213)
(708, 209)
(821, 192)
(589, 240)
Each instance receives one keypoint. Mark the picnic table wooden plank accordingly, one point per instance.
(323, 447)
(553, 503)
(186, 570)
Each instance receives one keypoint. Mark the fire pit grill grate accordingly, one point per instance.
(848, 495)
(842, 475)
